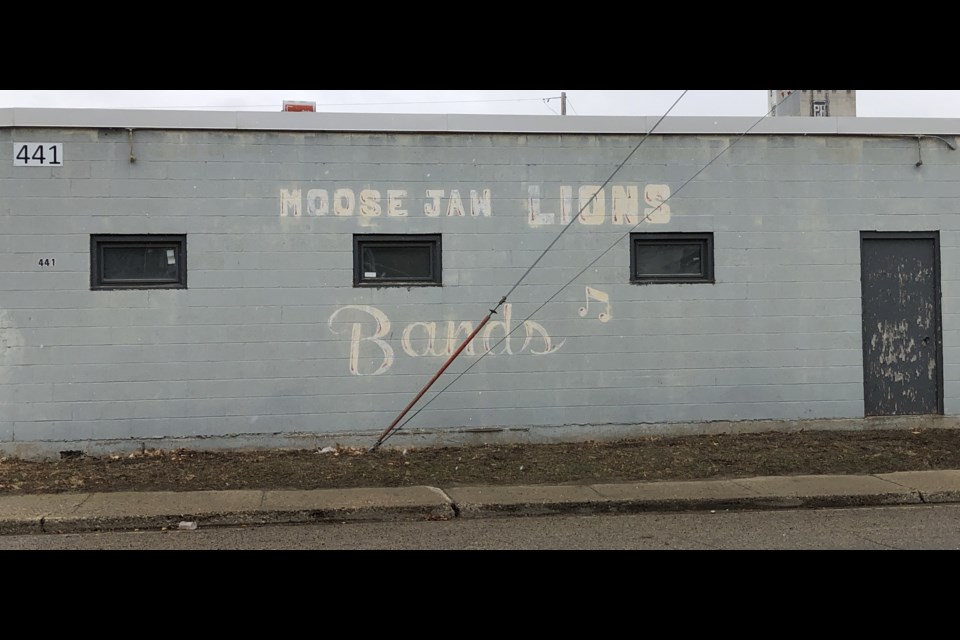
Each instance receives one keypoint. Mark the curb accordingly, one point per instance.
(94, 512)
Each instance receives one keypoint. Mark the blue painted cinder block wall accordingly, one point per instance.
(272, 340)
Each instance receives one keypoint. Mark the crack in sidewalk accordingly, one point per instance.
(904, 486)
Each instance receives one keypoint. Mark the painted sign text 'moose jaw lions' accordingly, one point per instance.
(622, 204)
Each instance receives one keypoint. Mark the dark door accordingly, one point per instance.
(902, 354)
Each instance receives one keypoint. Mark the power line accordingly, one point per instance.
(590, 264)
(393, 427)
(593, 197)
(562, 99)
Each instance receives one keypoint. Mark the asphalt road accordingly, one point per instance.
(899, 527)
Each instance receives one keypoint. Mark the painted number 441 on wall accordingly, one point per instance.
(37, 154)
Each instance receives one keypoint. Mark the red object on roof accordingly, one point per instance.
(290, 105)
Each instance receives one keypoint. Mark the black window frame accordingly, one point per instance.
(432, 240)
(704, 240)
(98, 242)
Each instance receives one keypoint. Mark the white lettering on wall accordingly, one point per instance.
(343, 202)
(291, 202)
(318, 202)
(370, 202)
(626, 205)
(432, 208)
(536, 218)
(543, 209)
(456, 335)
(566, 204)
(480, 203)
(592, 205)
(419, 339)
(655, 195)
(535, 329)
(381, 327)
(394, 202)
(430, 337)
(493, 325)
(455, 204)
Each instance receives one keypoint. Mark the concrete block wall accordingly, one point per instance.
(271, 338)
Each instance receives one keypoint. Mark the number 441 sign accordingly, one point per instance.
(37, 154)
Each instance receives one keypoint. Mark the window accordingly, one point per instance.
(138, 262)
(400, 260)
(671, 257)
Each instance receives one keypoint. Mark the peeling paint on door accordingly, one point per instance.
(901, 340)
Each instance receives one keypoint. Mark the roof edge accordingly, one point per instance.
(467, 123)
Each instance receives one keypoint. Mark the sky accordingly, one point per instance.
(897, 104)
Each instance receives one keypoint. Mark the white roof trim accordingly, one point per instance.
(457, 123)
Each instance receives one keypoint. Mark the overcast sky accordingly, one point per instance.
(922, 104)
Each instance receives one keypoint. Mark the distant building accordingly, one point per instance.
(812, 102)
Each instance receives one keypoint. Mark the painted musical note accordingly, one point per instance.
(596, 294)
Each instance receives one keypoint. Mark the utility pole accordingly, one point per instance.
(563, 103)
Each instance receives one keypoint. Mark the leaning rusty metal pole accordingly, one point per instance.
(453, 356)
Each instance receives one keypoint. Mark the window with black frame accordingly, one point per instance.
(671, 258)
(138, 261)
(396, 260)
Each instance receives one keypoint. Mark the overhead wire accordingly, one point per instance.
(393, 426)
(590, 264)
(594, 196)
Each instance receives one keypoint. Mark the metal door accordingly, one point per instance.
(902, 345)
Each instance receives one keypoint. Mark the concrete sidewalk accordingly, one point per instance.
(88, 512)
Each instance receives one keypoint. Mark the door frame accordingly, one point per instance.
(907, 235)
